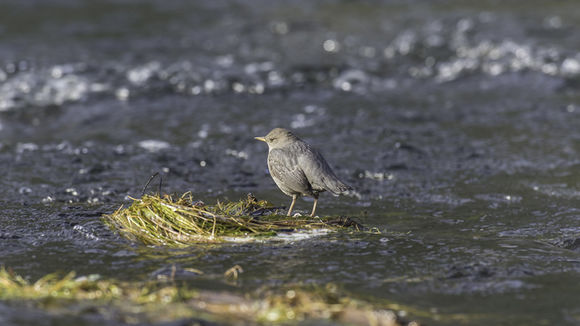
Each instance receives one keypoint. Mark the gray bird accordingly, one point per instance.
(298, 169)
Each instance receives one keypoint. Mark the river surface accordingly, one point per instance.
(457, 122)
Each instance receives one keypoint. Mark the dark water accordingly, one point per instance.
(457, 122)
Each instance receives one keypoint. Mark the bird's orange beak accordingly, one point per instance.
(260, 138)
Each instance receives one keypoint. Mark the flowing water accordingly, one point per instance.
(457, 122)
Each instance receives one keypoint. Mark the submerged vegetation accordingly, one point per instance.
(161, 220)
(154, 301)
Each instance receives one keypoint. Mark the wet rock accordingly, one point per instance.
(174, 272)
(568, 243)
(9, 236)
(475, 271)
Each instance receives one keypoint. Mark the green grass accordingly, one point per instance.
(156, 220)
(166, 301)
(64, 288)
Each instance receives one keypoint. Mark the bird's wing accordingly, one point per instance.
(319, 173)
(284, 169)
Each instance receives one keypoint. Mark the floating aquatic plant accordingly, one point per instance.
(161, 220)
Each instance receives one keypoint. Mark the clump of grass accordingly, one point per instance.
(147, 302)
(54, 287)
(161, 220)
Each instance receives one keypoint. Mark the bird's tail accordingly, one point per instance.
(336, 187)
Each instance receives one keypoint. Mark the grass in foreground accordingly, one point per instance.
(156, 220)
(159, 302)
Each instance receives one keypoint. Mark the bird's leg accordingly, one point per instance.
(292, 205)
(314, 206)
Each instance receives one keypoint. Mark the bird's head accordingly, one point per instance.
(278, 137)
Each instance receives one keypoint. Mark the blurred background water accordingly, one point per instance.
(456, 122)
